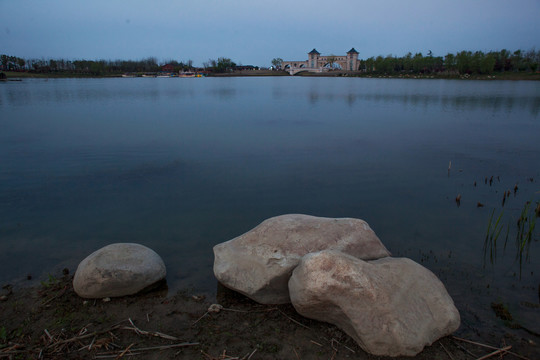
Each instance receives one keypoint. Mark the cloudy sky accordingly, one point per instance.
(255, 31)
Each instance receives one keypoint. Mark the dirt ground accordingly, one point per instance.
(50, 321)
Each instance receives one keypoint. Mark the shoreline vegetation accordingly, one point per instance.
(50, 321)
(18, 75)
(478, 65)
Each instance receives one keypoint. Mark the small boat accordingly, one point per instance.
(187, 74)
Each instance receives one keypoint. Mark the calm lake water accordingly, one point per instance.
(180, 165)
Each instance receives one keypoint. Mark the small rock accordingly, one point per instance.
(118, 270)
(215, 308)
(198, 297)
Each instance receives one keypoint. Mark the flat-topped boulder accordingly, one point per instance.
(390, 306)
(259, 263)
(118, 270)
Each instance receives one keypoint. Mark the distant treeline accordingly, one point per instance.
(464, 62)
(109, 67)
(91, 67)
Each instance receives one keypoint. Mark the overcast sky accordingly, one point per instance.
(255, 31)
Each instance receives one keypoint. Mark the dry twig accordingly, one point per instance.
(250, 355)
(199, 319)
(78, 338)
(125, 351)
(446, 351)
(48, 335)
(489, 347)
(150, 333)
(464, 349)
(223, 356)
(294, 321)
(60, 293)
(496, 352)
(316, 343)
(138, 351)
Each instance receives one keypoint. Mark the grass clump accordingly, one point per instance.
(525, 234)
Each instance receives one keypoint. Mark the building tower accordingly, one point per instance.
(352, 59)
(313, 58)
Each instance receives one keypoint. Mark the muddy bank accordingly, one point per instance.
(50, 321)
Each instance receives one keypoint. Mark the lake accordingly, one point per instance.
(180, 165)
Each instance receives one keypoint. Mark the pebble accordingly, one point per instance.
(215, 308)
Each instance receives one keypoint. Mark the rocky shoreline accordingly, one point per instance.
(50, 321)
(387, 307)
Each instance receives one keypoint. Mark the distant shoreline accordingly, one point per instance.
(11, 75)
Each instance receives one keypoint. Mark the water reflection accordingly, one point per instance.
(32, 91)
(456, 102)
(448, 95)
(223, 93)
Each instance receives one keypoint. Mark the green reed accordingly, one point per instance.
(525, 232)
(492, 234)
(525, 235)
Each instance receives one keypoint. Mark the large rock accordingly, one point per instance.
(259, 263)
(391, 306)
(118, 270)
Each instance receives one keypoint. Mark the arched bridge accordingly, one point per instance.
(296, 70)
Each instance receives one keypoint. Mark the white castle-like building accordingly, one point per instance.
(318, 63)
